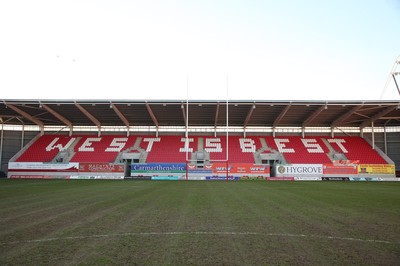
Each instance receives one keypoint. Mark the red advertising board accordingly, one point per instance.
(249, 168)
(218, 167)
(346, 162)
(238, 168)
(335, 169)
(101, 167)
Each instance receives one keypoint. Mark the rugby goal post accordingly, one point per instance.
(223, 161)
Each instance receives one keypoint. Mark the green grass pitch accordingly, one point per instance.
(89, 222)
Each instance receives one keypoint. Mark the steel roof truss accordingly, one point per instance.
(153, 117)
(90, 116)
(377, 116)
(27, 116)
(342, 118)
(281, 115)
(314, 115)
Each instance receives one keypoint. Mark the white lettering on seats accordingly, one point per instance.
(117, 144)
(280, 144)
(213, 145)
(151, 141)
(312, 146)
(339, 143)
(247, 145)
(186, 147)
(60, 147)
(86, 146)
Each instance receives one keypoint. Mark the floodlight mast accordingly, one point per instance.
(187, 128)
(392, 74)
(395, 81)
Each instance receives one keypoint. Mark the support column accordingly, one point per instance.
(1, 146)
(373, 135)
(22, 136)
(385, 139)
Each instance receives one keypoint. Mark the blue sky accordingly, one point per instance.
(241, 50)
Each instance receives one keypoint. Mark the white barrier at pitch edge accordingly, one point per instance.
(108, 177)
(307, 178)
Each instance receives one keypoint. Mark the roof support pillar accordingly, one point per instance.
(1, 144)
(22, 136)
(373, 135)
(185, 119)
(385, 138)
(216, 120)
(22, 132)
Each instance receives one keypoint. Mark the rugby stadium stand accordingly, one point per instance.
(307, 140)
(292, 149)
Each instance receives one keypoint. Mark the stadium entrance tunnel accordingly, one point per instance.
(127, 167)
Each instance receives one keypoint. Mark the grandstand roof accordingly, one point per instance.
(201, 113)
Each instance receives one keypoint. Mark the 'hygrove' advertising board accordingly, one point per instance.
(299, 170)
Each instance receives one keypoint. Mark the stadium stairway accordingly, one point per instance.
(298, 150)
(357, 149)
(65, 156)
(133, 152)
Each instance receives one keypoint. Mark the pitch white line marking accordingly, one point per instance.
(194, 233)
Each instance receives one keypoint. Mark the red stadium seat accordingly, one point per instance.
(356, 148)
(165, 148)
(309, 150)
(101, 149)
(45, 148)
